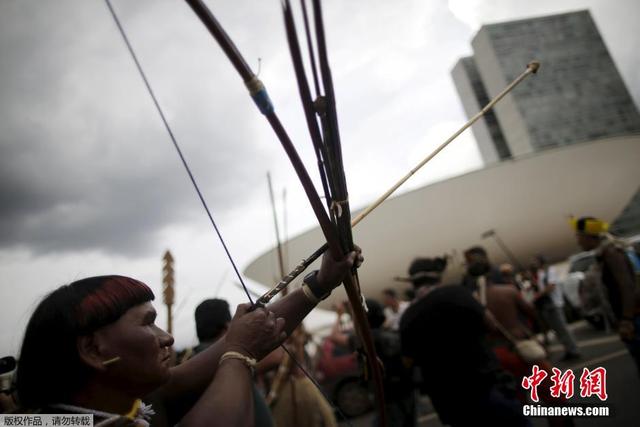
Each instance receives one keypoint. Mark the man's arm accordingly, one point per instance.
(189, 380)
(227, 401)
(192, 377)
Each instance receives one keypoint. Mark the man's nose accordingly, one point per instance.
(166, 339)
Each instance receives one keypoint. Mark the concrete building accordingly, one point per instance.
(473, 94)
(577, 96)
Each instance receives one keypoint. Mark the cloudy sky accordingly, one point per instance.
(90, 183)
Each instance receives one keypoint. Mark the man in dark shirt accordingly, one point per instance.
(618, 277)
(444, 332)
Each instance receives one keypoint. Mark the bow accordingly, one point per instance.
(263, 100)
(338, 244)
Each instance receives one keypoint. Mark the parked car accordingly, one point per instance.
(574, 283)
(578, 265)
(339, 374)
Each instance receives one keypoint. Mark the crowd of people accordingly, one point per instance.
(92, 347)
(473, 343)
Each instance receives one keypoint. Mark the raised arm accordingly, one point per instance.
(199, 374)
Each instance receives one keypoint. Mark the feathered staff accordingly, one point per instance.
(337, 243)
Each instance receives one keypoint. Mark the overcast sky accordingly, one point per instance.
(90, 183)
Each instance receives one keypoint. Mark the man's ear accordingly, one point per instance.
(89, 352)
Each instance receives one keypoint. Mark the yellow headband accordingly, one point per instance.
(590, 226)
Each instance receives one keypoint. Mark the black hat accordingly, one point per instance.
(427, 271)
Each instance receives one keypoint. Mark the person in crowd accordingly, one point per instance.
(508, 276)
(393, 309)
(398, 380)
(92, 346)
(549, 301)
(509, 312)
(618, 277)
(469, 281)
(444, 332)
(533, 294)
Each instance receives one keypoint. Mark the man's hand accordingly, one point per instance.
(332, 272)
(254, 333)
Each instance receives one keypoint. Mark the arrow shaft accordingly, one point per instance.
(306, 262)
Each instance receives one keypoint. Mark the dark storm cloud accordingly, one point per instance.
(85, 162)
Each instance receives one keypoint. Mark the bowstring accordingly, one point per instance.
(177, 147)
(202, 199)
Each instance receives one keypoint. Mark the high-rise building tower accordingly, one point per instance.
(577, 96)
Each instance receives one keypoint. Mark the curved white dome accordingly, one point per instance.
(527, 201)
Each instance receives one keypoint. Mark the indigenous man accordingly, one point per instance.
(444, 332)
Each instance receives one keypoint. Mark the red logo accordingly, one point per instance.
(562, 383)
(534, 381)
(592, 383)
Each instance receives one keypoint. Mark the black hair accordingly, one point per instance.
(476, 250)
(50, 369)
(212, 316)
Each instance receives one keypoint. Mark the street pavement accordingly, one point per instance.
(599, 349)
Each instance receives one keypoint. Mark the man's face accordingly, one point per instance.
(586, 242)
(477, 264)
(387, 300)
(143, 348)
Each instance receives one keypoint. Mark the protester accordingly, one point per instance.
(508, 310)
(549, 300)
(472, 256)
(618, 277)
(444, 331)
(92, 347)
(393, 309)
(508, 276)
